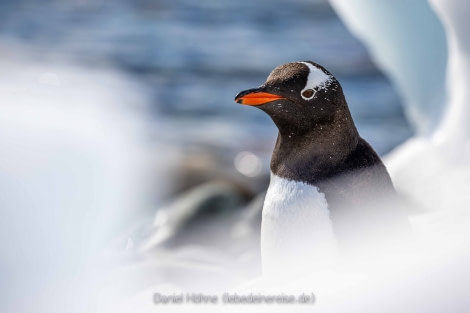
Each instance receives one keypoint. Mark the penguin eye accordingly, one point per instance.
(308, 93)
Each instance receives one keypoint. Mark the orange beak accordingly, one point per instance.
(255, 97)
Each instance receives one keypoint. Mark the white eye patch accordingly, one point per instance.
(316, 80)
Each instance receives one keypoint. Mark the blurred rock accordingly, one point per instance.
(195, 216)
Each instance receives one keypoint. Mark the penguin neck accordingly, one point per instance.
(316, 154)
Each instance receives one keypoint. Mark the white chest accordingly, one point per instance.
(296, 225)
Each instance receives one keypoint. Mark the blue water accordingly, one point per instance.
(194, 56)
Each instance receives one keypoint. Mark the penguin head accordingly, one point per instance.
(298, 96)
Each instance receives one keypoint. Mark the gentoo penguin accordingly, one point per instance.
(328, 187)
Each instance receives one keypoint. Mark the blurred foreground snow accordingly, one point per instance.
(74, 170)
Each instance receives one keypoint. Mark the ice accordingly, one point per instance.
(454, 131)
(408, 42)
(435, 172)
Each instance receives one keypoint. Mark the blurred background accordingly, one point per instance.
(191, 59)
(119, 133)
